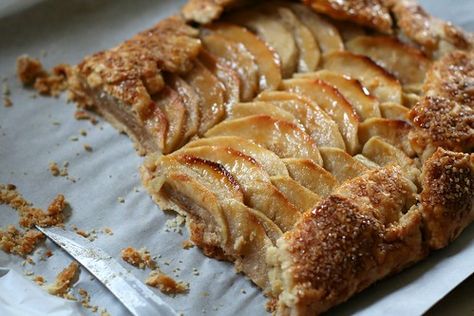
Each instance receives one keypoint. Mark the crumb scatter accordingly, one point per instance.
(166, 284)
(138, 258)
(65, 280)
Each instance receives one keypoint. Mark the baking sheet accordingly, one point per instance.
(64, 31)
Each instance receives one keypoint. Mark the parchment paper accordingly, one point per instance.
(64, 31)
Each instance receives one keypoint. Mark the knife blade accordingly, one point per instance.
(132, 293)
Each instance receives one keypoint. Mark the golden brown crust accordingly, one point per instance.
(350, 240)
(430, 33)
(452, 77)
(132, 71)
(371, 13)
(440, 122)
(447, 199)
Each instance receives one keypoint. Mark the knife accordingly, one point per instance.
(132, 293)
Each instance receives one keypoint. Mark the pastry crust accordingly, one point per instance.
(349, 240)
(447, 200)
(371, 13)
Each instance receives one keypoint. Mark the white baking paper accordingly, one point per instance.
(64, 31)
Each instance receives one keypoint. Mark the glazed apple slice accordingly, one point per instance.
(191, 101)
(273, 31)
(309, 53)
(366, 162)
(297, 194)
(341, 165)
(283, 138)
(310, 175)
(226, 75)
(358, 96)
(259, 193)
(238, 58)
(267, 60)
(240, 110)
(384, 154)
(333, 103)
(406, 63)
(394, 111)
(174, 110)
(216, 178)
(318, 124)
(211, 92)
(395, 132)
(324, 32)
(381, 84)
(269, 161)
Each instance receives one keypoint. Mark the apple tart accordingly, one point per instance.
(319, 146)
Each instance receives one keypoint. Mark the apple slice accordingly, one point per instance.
(358, 96)
(269, 161)
(395, 132)
(407, 63)
(174, 110)
(310, 175)
(226, 75)
(211, 92)
(283, 138)
(267, 60)
(384, 154)
(341, 165)
(333, 103)
(366, 161)
(238, 58)
(324, 32)
(308, 48)
(316, 122)
(381, 84)
(297, 194)
(273, 31)
(259, 193)
(394, 111)
(191, 101)
(264, 108)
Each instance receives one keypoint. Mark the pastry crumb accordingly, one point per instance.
(83, 132)
(54, 169)
(82, 233)
(57, 171)
(39, 279)
(7, 102)
(120, 199)
(187, 244)
(104, 312)
(29, 69)
(65, 280)
(20, 243)
(108, 231)
(165, 283)
(85, 301)
(83, 115)
(138, 258)
(87, 147)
